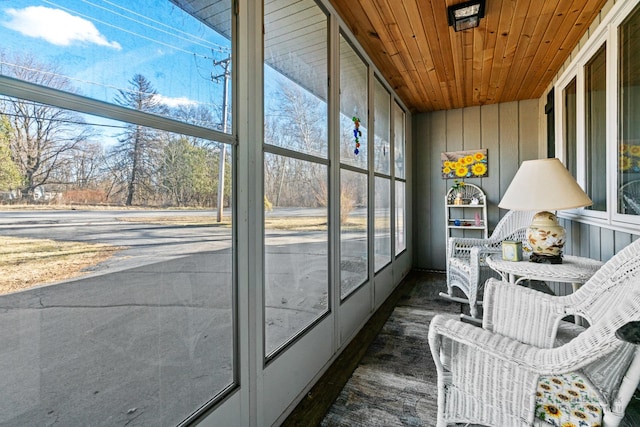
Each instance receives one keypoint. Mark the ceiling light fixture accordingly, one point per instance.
(466, 15)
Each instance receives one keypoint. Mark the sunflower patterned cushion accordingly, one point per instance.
(567, 401)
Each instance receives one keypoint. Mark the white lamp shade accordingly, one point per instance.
(544, 185)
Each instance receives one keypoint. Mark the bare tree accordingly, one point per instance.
(195, 114)
(82, 167)
(85, 166)
(136, 155)
(297, 121)
(41, 136)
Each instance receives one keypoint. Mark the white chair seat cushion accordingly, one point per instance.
(567, 400)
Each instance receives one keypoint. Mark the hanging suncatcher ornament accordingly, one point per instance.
(357, 133)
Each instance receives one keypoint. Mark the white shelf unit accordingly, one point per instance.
(470, 215)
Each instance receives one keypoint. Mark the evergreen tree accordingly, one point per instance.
(10, 177)
(136, 156)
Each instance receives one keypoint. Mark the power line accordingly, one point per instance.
(108, 24)
(208, 45)
(192, 39)
(75, 79)
(223, 49)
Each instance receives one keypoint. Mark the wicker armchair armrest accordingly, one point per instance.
(512, 311)
(461, 246)
(466, 243)
(483, 251)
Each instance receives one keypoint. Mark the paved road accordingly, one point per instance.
(147, 336)
(142, 340)
(142, 346)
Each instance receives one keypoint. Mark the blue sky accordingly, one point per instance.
(101, 44)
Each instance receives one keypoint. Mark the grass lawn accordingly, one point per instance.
(28, 262)
(25, 263)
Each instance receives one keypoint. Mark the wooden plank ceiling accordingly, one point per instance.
(513, 55)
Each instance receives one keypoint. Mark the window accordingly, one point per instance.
(399, 172)
(94, 50)
(596, 130)
(296, 173)
(628, 173)
(570, 127)
(382, 222)
(353, 106)
(601, 139)
(401, 232)
(399, 140)
(353, 230)
(551, 131)
(382, 182)
(296, 248)
(354, 256)
(137, 323)
(382, 117)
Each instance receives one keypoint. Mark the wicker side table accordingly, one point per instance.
(575, 270)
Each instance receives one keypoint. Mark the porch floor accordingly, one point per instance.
(385, 376)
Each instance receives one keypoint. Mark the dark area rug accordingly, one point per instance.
(395, 382)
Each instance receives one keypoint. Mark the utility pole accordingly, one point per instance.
(223, 148)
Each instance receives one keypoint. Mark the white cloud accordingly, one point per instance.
(175, 102)
(55, 26)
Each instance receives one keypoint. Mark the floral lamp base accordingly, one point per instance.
(546, 237)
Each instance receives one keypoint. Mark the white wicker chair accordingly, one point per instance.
(489, 375)
(629, 198)
(466, 265)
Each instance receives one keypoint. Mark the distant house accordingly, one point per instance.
(7, 196)
(41, 195)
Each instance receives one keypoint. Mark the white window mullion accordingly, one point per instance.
(612, 121)
(249, 205)
(334, 175)
(371, 135)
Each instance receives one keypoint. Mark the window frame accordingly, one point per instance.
(352, 166)
(322, 159)
(569, 152)
(27, 91)
(606, 33)
(378, 84)
(57, 98)
(591, 177)
(397, 107)
(615, 105)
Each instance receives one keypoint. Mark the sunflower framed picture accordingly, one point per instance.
(629, 159)
(465, 164)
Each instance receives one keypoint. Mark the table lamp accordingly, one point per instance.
(544, 185)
